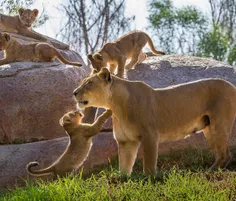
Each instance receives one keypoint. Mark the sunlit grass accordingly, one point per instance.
(182, 175)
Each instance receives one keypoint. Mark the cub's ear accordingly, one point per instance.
(90, 57)
(6, 36)
(36, 12)
(65, 120)
(95, 71)
(97, 57)
(21, 10)
(105, 74)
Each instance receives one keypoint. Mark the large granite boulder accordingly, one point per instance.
(157, 72)
(34, 95)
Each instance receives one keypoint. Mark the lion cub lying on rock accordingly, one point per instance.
(78, 149)
(22, 24)
(38, 52)
(149, 116)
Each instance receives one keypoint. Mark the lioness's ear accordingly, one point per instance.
(97, 57)
(21, 10)
(6, 36)
(36, 12)
(105, 74)
(90, 57)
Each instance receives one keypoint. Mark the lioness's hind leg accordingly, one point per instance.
(127, 155)
(217, 138)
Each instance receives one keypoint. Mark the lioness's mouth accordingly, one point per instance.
(85, 102)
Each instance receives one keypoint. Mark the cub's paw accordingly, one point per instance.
(108, 113)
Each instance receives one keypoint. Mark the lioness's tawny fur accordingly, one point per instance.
(78, 148)
(149, 116)
(22, 24)
(15, 51)
(116, 53)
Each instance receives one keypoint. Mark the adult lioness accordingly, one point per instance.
(22, 24)
(126, 47)
(149, 116)
(15, 51)
(78, 148)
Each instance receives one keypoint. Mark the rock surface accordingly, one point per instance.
(14, 158)
(34, 95)
(157, 72)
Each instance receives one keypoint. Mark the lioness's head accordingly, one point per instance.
(71, 119)
(94, 90)
(97, 61)
(4, 40)
(27, 16)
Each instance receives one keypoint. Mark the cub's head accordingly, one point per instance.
(27, 16)
(71, 119)
(4, 40)
(97, 61)
(94, 90)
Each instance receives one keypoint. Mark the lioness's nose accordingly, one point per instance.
(75, 92)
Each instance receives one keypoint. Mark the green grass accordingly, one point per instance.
(182, 175)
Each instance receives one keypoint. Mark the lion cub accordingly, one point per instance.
(15, 51)
(77, 150)
(116, 53)
(22, 24)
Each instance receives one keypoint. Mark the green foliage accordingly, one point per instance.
(178, 30)
(214, 44)
(217, 45)
(186, 30)
(174, 181)
(232, 55)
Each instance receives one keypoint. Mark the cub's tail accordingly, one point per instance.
(150, 43)
(43, 172)
(65, 61)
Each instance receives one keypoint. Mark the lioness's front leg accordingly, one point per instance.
(127, 155)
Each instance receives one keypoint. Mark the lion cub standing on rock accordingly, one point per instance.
(116, 53)
(15, 51)
(78, 148)
(22, 24)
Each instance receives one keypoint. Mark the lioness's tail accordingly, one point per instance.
(65, 61)
(42, 172)
(150, 43)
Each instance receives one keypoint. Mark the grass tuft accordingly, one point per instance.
(182, 175)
